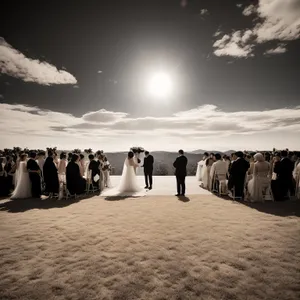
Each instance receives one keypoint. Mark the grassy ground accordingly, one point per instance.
(149, 248)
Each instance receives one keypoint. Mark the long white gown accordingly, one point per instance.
(128, 181)
(23, 188)
(128, 185)
(199, 172)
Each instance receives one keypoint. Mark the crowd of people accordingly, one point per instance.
(29, 174)
(253, 177)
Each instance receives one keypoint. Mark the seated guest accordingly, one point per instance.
(297, 180)
(4, 188)
(237, 175)
(94, 167)
(50, 174)
(259, 185)
(284, 170)
(9, 171)
(218, 171)
(75, 182)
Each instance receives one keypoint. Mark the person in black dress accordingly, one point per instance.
(94, 167)
(9, 172)
(180, 172)
(50, 174)
(284, 170)
(237, 174)
(148, 170)
(34, 175)
(75, 183)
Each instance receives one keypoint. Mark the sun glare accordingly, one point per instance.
(160, 85)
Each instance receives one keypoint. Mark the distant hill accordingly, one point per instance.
(200, 151)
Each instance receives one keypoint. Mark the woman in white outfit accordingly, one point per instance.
(128, 181)
(260, 182)
(23, 187)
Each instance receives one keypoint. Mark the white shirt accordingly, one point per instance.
(219, 167)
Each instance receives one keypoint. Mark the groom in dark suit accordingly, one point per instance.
(148, 169)
(180, 166)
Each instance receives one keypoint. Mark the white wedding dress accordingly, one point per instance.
(128, 185)
(23, 188)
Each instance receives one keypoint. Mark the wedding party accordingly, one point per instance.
(150, 150)
(245, 176)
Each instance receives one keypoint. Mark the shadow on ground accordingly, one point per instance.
(23, 205)
(183, 199)
(279, 208)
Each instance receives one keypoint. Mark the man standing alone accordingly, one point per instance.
(180, 172)
(148, 170)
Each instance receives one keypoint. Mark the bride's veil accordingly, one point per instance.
(123, 180)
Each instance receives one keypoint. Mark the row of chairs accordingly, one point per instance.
(219, 186)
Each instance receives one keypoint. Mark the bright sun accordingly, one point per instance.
(160, 85)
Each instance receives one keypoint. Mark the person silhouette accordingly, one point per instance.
(180, 165)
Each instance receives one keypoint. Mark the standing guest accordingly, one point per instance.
(267, 156)
(180, 172)
(70, 156)
(62, 164)
(274, 178)
(148, 169)
(206, 170)
(81, 164)
(94, 168)
(34, 175)
(41, 160)
(51, 174)
(237, 175)
(75, 183)
(106, 170)
(284, 170)
(101, 174)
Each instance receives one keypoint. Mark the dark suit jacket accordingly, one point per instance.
(148, 164)
(32, 165)
(284, 169)
(238, 170)
(180, 165)
(94, 166)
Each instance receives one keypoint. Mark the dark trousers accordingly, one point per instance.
(36, 189)
(148, 178)
(180, 184)
(238, 184)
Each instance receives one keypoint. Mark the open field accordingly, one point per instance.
(155, 247)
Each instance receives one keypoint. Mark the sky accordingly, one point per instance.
(163, 75)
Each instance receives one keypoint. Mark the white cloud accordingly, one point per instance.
(202, 127)
(204, 12)
(239, 5)
(234, 45)
(16, 64)
(278, 50)
(249, 10)
(275, 20)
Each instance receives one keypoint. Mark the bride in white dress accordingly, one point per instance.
(23, 187)
(128, 181)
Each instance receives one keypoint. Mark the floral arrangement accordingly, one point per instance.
(137, 150)
(88, 151)
(76, 151)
